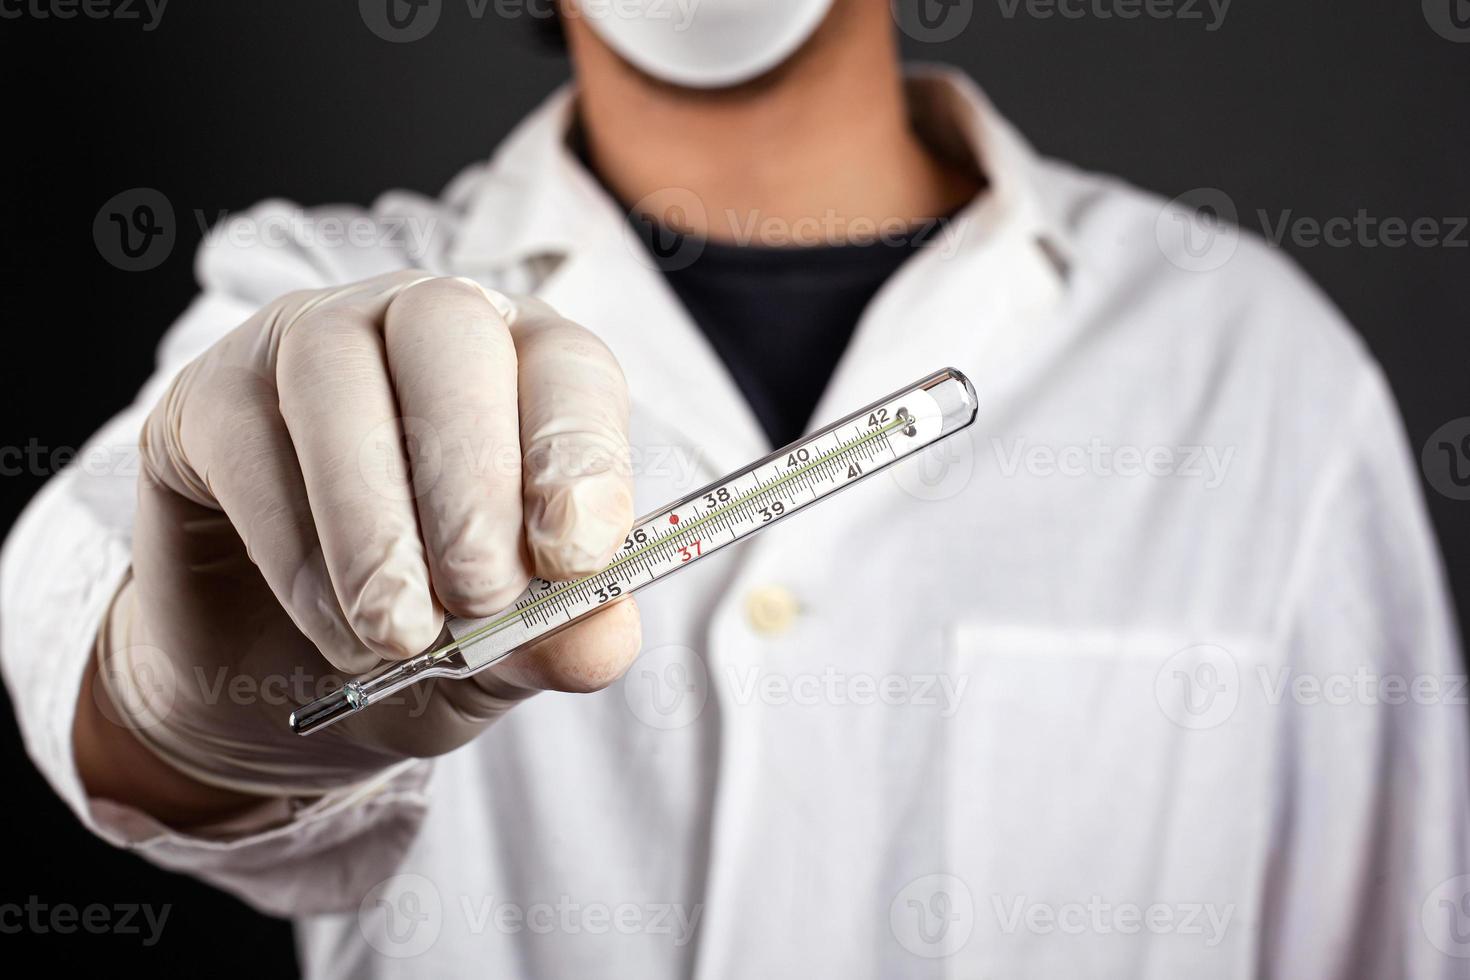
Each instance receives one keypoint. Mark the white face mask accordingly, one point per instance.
(704, 43)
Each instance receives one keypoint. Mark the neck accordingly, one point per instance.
(824, 137)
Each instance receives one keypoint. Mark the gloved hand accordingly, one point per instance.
(328, 479)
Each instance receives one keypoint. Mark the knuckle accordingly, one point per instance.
(162, 457)
(325, 344)
(282, 310)
(550, 462)
(479, 579)
(296, 299)
(441, 293)
(563, 340)
(305, 346)
(456, 309)
(373, 626)
(576, 523)
(393, 613)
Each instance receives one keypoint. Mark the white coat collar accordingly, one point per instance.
(965, 304)
(535, 195)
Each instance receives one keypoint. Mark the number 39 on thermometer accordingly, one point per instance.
(743, 503)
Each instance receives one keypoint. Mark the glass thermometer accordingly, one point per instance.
(731, 509)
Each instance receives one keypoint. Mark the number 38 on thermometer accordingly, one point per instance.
(740, 504)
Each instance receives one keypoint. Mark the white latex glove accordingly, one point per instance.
(286, 526)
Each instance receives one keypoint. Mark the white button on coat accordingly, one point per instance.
(771, 609)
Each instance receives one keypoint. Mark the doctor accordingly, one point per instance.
(1064, 700)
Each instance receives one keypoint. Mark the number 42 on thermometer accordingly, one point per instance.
(742, 503)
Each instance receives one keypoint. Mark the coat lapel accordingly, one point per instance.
(976, 298)
(538, 222)
(675, 377)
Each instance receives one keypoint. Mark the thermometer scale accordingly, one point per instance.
(731, 509)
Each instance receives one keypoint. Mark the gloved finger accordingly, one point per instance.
(454, 373)
(580, 659)
(338, 405)
(576, 479)
(438, 716)
(235, 455)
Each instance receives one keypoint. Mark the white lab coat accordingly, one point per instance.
(1028, 716)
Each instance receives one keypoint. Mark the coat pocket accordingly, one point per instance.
(1107, 801)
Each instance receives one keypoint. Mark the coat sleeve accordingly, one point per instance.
(63, 562)
(1370, 873)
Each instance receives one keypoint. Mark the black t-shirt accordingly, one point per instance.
(779, 317)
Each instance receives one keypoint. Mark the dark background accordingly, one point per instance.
(1316, 107)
